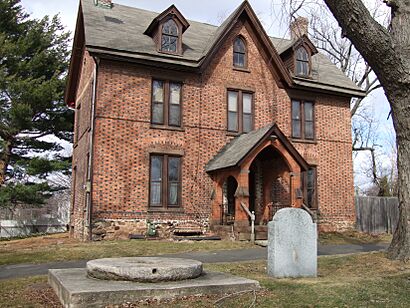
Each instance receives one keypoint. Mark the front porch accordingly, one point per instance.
(259, 171)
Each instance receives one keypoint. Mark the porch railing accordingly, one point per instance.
(226, 218)
(252, 216)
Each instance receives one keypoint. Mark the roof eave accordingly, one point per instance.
(327, 89)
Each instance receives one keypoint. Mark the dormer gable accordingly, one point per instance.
(298, 55)
(167, 30)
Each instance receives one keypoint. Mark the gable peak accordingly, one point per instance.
(172, 12)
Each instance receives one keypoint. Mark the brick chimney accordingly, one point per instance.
(103, 3)
(299, 27)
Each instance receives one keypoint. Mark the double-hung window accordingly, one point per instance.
(240, 111)
(165, 181)
(302, 62)
(166, 103)
(170, 37)
(309, 184)
(303, 120)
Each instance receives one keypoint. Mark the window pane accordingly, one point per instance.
(247, 122)
(309, 130)
(298, 67)
(173, 194)
(157, 91)
(156, 180)
(174, 115)
(239, 59)
(296, 129)
(173, 168)
(173, 44)
(239, 45)
(301, 54)
(156, 168)
(247, 103)
(311, 178)
(158, 113)
(232, 101)
(311, 182)
(305, 68)
(175, 93)
(170, 27)
(155, 193)
(165, 43)
(308, 111)
(296, 110)
(232, 121)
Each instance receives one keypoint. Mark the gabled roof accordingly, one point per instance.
(304, 40)
(234, 152)
(172, 10)
(119, 33)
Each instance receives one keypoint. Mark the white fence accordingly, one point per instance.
(50, 218)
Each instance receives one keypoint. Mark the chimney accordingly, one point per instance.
(103, 3)
(298, 28)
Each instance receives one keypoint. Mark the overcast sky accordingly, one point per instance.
(213, 12)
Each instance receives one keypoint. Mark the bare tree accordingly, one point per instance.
(326, 35)
(387, 52)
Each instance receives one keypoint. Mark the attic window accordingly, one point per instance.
(170, 36)
(302, 62)
(239, 53)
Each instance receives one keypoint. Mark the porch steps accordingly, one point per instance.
(241, 233)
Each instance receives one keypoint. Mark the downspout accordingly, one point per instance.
(90, 156)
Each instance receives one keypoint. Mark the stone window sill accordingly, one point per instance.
(303, 141)
(239, 69)
(165, 210)
(164, 127)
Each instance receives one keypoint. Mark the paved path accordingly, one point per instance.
(249, 254)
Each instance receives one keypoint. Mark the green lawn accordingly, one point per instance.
(61, 248)
(361, 280)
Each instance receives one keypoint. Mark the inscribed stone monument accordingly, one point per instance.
(292, 244)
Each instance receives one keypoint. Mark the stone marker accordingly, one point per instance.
(144, 269)
(292, 244)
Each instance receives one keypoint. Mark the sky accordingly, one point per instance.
(213, 12)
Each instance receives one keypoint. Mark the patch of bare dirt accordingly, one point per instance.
(37, 242)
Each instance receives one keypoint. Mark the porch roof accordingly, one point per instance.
(234, 152)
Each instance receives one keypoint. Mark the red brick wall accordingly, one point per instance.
(79, 225)
(124, 139)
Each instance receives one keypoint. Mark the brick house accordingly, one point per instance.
(181, 124)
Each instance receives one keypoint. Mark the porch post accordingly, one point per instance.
(295, 183)
(242, 195)
(216, 202)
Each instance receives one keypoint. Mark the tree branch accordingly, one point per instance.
(370, 38)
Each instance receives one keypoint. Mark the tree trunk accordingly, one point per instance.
(5, 161)
(400, 245)
(388, 53)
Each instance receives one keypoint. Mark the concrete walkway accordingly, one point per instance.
(236, 255)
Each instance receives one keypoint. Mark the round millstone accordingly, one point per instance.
(144, 269)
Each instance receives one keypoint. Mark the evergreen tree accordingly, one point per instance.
(33, 64)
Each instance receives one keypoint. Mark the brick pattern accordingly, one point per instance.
(124, 139)
(79, 214)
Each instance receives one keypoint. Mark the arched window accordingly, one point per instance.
(239, 53)
(302, 62)
(170, 36)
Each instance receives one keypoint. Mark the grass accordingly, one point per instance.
(361, 280)
(353, 237)
(61, 248)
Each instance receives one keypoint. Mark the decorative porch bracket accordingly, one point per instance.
(252, 216)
